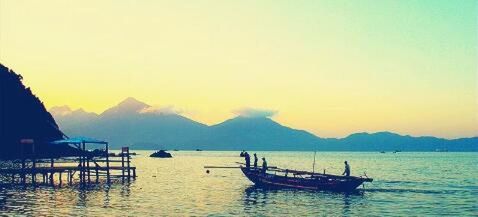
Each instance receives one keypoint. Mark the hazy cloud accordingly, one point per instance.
(255, 113)
(168, 110)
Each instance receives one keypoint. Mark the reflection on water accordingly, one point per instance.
(254, 196)
(405, 184)
(265, 200)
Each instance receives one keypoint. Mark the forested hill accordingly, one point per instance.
(23, 116)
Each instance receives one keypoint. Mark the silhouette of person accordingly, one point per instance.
(264, 165)
(255, 160)
(347, 169)
(248, 159)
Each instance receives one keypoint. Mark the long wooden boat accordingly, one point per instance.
(284, 178)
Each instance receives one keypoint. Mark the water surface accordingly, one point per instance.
(405, 184)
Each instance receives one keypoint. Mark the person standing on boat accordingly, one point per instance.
(347, 169)
(255, 160)
(264, 165)
(248, 160)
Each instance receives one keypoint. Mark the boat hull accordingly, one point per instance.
(316, 182)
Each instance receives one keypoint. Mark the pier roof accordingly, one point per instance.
(79, 140)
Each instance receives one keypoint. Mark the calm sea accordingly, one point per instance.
(405, 184)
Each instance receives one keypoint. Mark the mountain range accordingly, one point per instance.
(140, 126)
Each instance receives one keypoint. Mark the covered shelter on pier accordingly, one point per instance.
(85, 156)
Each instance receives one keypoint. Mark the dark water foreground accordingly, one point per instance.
(406, 184)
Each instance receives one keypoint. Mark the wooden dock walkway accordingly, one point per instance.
(50, 174)
(83, 169)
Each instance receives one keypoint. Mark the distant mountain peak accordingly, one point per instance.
(248, 121)
(382, 135)
(132, 102)
(127, 106)
(60, 110)
(81, 110)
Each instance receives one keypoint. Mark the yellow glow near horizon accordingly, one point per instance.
(330, 67)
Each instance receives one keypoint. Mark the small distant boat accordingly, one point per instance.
(396, 151)
(161, 154)
(198, 149)
(303, 180)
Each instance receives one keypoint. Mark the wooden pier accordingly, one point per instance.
(86, 168)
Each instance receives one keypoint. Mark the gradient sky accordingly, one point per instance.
(330, 67)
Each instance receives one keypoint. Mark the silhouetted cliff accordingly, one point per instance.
(23, 116)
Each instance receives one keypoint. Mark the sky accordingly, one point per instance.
(329, 67)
